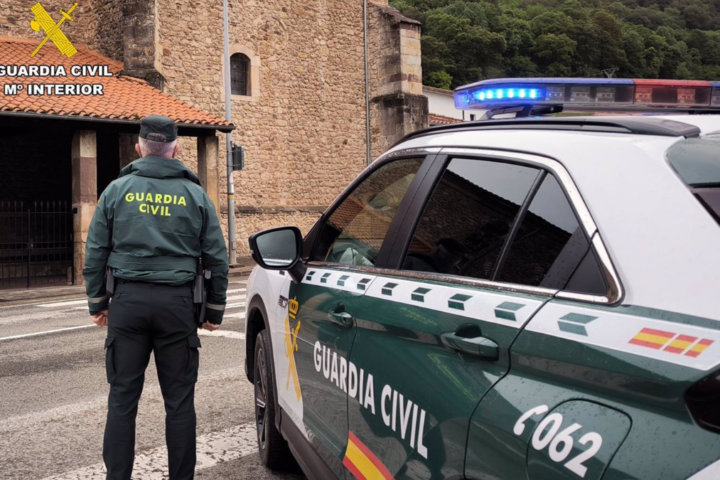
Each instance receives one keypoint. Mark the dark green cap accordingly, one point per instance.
(157, 128)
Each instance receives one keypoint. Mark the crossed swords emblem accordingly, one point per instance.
(291, 336)
(52, 30)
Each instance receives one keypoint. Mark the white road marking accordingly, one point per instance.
(235, 315)
(222, 333)
(236, 297)
(84, 302)
(62, 304)
(47, 332)
(36, 420)
(213, 449)
(234, 305)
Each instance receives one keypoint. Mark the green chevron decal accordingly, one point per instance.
(574, 323)
(458, 301)
(419, 294)
(388, 288)
(506, 310)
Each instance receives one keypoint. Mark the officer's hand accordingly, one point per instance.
(210, 326)
(101, 319)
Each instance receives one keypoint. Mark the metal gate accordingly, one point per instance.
(36, 244)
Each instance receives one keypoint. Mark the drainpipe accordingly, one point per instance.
(368, 152)
(228, 142)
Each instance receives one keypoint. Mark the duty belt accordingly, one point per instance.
(123, 281)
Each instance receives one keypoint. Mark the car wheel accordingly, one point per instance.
(274, 451)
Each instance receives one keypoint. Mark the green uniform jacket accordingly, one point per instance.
(152, 224)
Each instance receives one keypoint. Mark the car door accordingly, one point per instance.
(435, 331)
(320, 324)
(531, 425)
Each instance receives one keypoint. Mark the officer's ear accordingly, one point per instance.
(137, 149)
(175, 150)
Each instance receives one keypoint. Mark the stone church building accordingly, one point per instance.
(298, 101)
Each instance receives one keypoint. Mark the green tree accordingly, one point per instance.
(550, 49)
(438, 80)
(468, 40)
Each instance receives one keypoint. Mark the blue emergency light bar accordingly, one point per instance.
(588, 92)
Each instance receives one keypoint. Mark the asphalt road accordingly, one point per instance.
(53, 395)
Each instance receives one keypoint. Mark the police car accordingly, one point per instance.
(526, 298)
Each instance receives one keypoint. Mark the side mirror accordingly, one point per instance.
(279, 249)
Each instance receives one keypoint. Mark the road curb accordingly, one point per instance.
(9, 298)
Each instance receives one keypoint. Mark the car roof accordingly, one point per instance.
(638, 125)
(653, 227)
(706, 123)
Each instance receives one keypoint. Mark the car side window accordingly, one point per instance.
(549, 244)
(464, 226)
(354, 232)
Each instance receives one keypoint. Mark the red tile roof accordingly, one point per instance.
(435, 119)
(125, 98)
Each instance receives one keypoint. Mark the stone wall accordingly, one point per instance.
(304, 134)
(394, 116)
(395, 53)
(397, 103)
(107, 27)
(96, 23)
(140, 41)
(255, 219)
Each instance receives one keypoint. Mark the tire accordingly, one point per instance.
(274, 451)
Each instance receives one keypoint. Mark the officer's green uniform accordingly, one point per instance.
(150, 227)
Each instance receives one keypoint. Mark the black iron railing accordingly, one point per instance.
(36, 243)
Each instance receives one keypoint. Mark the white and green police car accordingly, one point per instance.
(530, 298)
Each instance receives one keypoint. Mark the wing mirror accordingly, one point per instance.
(279, 249)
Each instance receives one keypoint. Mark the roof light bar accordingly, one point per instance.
(589, 93)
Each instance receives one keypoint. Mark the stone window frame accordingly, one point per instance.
(240, 80)
(254, 87)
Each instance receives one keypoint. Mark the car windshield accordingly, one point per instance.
(697, 163)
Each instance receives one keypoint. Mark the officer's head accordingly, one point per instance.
(158, 137)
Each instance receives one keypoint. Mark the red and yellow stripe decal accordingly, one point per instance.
(651, 338)
(362, 462)
(699, 348)
(673, 343)
(680, 344)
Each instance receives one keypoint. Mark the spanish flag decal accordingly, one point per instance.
(673, 343)
(362, 462)
(650, 338)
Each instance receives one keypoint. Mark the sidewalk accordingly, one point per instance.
(25, 295)
(243, 267)
(21, 295)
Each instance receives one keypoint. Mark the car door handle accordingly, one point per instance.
(483, 347)
(340, 317)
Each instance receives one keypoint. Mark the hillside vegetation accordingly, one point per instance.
(465, 41)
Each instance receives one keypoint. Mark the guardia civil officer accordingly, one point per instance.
(150, 228)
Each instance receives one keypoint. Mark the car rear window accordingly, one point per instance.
(697, 162)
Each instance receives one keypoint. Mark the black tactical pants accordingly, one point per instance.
(146, 318)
